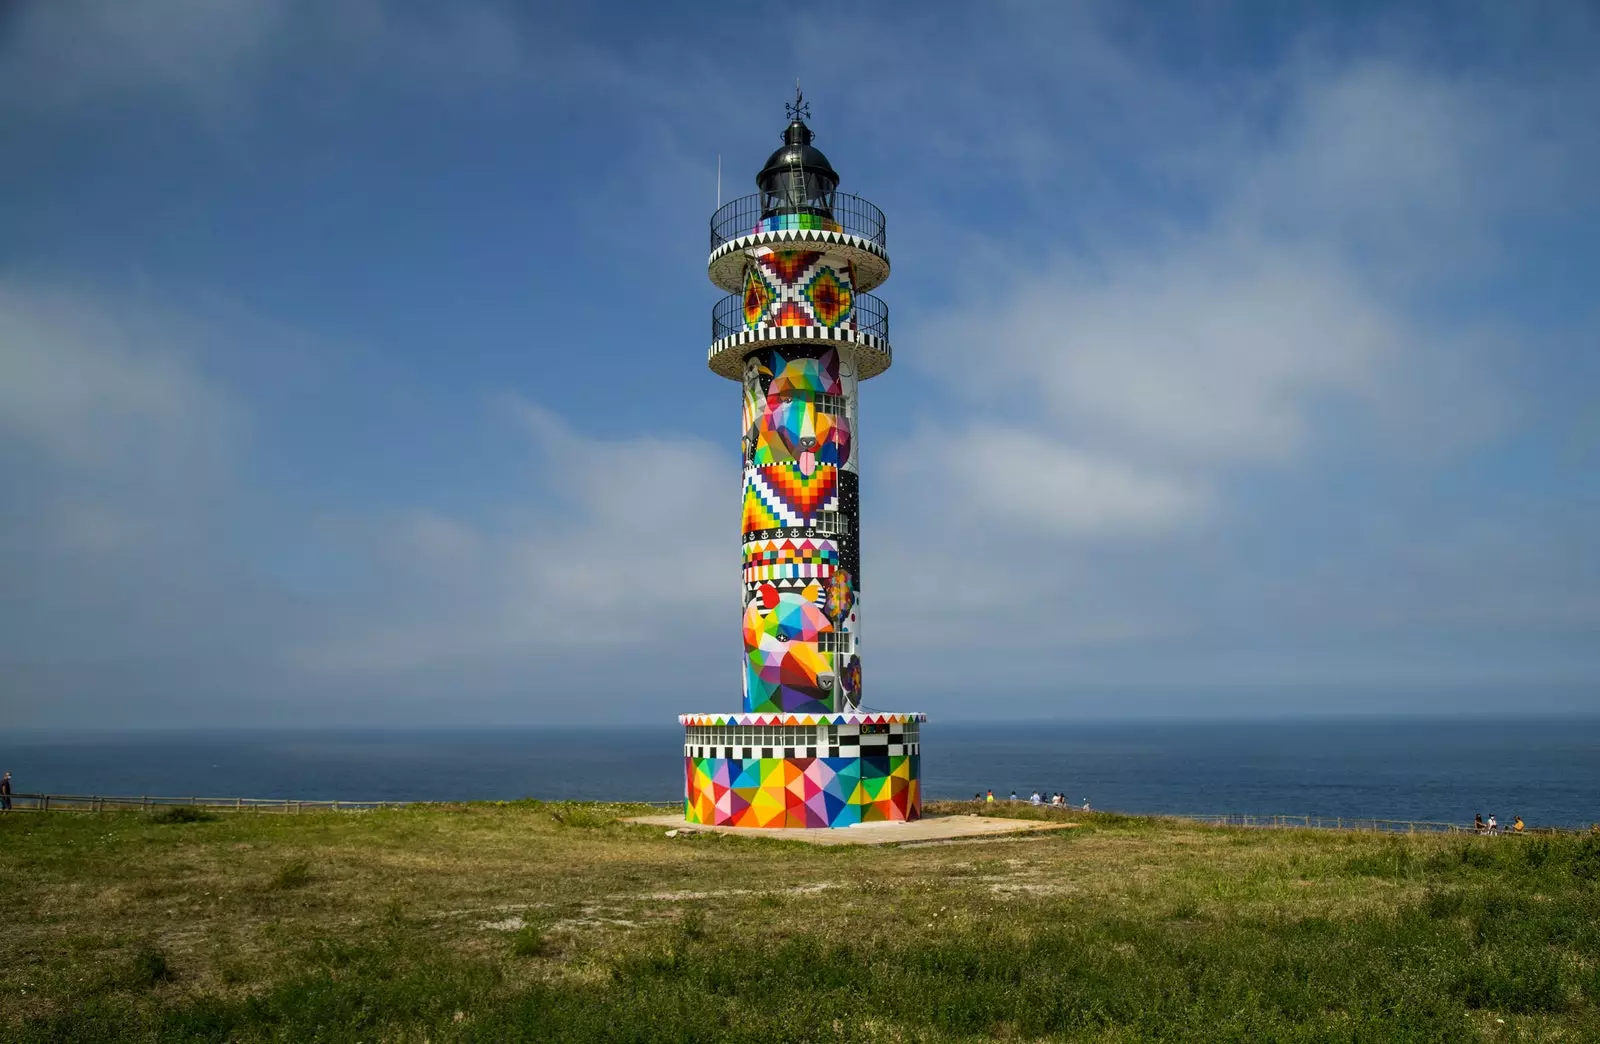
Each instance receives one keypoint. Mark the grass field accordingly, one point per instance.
(542, 922)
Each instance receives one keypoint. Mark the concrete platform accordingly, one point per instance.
(930, 829)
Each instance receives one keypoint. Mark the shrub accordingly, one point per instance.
(182, 814)
(1586, 860)
(146, 968)
(1444, 903)
(693, 926)
(1524, 981)
(295, 874)
(530, 941)
(580, 817)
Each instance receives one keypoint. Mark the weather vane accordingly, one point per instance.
(797, 109)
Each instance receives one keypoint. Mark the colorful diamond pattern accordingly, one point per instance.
(830, 298)
(758, 295)
(798, 288)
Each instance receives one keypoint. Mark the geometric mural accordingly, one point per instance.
(800, 509)
(802, 792)
(799, 288)
(781, 495)
(790, 559)
(784, 669)
(799, 408)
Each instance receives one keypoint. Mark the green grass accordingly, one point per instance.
(536, 922)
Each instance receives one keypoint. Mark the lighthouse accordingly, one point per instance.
(799, 331)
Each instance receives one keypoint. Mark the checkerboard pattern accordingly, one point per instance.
(789, 559)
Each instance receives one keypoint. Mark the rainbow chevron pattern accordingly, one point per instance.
(779, 496)
(802, 792)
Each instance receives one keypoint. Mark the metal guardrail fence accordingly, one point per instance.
(1392, 826)
(1366, 824)
(868, 315)
(1369, 825)
(842, 212)
(103, 803)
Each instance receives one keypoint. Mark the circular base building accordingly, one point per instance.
(801, 770)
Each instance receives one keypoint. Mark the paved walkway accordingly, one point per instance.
(933, 828)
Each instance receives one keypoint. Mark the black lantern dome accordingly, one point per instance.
(798, 179)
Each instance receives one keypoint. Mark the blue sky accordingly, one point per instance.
(352, 357)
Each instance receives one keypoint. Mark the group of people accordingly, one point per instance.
(1492, 825)
(1057, 800)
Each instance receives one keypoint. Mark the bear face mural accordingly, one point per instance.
(784, 669)
(795, 412)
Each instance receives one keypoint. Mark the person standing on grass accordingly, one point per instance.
(990, 799)
(5, 792)
(1494, 824)
(1477, 822)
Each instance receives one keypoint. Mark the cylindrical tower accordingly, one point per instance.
(799, 332)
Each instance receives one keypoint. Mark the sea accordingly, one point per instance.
(1446, 770)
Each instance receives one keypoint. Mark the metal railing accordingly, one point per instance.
(745, 216)
(147, 803)
(1389, 826)
(868, 315)
(1367, 824)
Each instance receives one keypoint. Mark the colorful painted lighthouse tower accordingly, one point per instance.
(799, 332)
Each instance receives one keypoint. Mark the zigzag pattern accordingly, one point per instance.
(826, 237)
(837, 718)
(789, 559)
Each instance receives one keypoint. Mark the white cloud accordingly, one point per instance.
(95, 385)
(1215, 351)
(202, 54)
(214, 59)
(627, 545)
(1025, 481)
